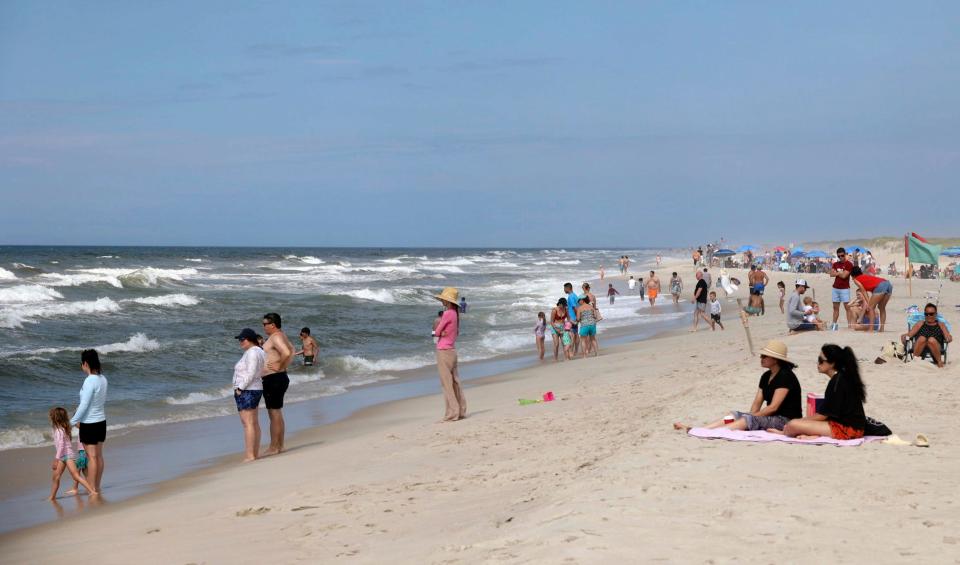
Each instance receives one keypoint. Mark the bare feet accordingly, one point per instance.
(271, 451)
(71, 492)
(808, 436)
(681, 427)
(775, 431)
(249, 459)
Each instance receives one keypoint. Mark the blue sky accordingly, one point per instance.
(476, 123)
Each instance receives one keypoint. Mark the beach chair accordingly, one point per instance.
(914, 316)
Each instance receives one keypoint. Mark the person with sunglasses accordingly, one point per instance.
(929, 333)
(279, 352)
(840, 271)
(841, 414)
(778, 388)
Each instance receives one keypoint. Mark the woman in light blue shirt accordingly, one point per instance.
(91, 417)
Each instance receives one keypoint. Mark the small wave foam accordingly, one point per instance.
(356, 364)
(194, 260)
(501, 341)
(11, 317)
(138, 343)
(23, 436)
(199, 397)
(390, 295)
(308, 259)
(167, 300)
(146, 277)
(28, 294)
(6, 275)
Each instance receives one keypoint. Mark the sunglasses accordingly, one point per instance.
(268, 323)
(929, 313)
(821, 360)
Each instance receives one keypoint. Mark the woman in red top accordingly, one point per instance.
(878, 290)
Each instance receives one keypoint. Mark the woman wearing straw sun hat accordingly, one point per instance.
(447, 331)
(778, 388)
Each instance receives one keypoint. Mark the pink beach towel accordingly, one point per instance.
(762, 436)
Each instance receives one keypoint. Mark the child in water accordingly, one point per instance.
(539, 331)
(66, 457)
(783, 292)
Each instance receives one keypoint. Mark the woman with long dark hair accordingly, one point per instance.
(841, 415)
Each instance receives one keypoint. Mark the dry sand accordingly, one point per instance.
(597, 476)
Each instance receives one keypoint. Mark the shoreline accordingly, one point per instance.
(211, 440)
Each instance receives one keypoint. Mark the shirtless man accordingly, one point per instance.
(653, 288)
(279, 352)
(310, 348)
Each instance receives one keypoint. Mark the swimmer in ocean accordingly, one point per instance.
(310, 348)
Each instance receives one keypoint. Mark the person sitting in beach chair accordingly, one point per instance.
(778, 388)
(928, 337)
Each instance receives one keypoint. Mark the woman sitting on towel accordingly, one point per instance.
(840, 416)
(778, 387)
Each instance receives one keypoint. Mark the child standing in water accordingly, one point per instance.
(539, 331)
(65, 459)
(568, 339)
(612, 293)
(783, 291)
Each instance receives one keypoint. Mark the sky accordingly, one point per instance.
(508, 124)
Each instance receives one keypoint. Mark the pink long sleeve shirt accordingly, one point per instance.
(63, 444)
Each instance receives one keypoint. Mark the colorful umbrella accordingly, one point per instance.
(724, 253)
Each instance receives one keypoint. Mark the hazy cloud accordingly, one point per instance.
(500, 64)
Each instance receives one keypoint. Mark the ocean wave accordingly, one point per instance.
(392, 295)
(558, 262)
(460, 261)
(24, 436)
(6, 275)
(108, 256)
(200, 397)
(441, 268)
(146, 277)
(16, 317)
(362, 365)
(178, 299)
(194, 260)
(138, 343)
(28, 294)
(308, 259)
(499, 341)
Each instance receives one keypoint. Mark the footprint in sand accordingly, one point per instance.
(253, 511)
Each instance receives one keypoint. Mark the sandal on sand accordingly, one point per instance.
(895, 440)
(922, 441)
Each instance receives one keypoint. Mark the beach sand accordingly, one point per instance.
(597, 476)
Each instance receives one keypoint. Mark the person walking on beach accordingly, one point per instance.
(707, 277)
(65, 458)
(840, 271)
(640, 289)
(310, 348)
(91, 417)
(715, 309)
(463, 304)
(279, 353)
(611, 293)
(700, 302)
(653, 288)
(248, 389)
(448, 329)
(540, 331)
(572, 301)
(601, 272)
(631, 283)
(659, 260)
(676, 287)
(782, 289)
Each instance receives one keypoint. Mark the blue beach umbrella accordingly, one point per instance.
(798, 252)
(951, 252)
(817, 254)
(745, 248)
(857, 249)
(724, 253)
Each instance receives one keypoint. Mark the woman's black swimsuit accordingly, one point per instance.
(931, 331)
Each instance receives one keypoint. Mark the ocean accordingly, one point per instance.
(164, 319)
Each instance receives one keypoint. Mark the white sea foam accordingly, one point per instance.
(23, 436)
(500, 341)
(355, 364)
(308, 259)
(108, 257)
(6, 275)
(138, 343)
(28, 294)
(461, 261)
(442, 268)
(178, 299)
(200, 397)
(15, 317)
(194, 260)
(119, 278)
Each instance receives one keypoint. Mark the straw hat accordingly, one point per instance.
(450, 295)
(777, 350)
